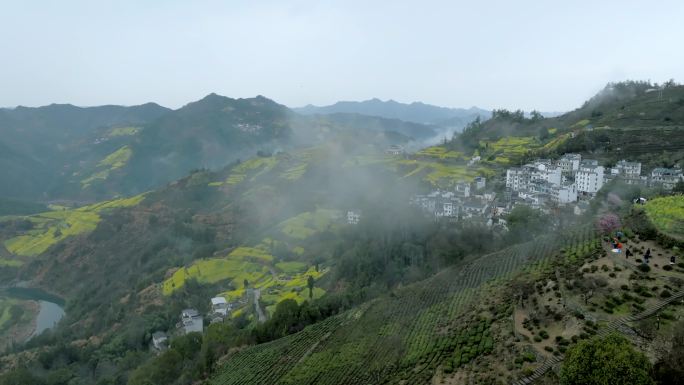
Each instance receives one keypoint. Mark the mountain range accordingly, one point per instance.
(64, 152)
(415, 112)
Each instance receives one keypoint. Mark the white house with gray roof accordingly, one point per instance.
(666, 177)
(569, 163)
(589, 177)
(191, 321)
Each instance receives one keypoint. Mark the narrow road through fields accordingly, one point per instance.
(261, 317)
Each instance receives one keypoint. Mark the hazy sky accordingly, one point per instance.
(549, 55)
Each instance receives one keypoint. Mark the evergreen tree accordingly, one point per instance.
(605, 361)
(310, 283)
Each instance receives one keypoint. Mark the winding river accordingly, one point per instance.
(51, 307)
(49, 315)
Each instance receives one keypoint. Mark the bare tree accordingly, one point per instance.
(521, 290)
(589, 285)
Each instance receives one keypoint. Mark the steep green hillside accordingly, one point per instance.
(397, 298)
(38, 145)
(86, 154)
(657, 146)
(269, 223)
(399, 338)
(51, 227)
(635, 120)
(211, 132)
(633, 104)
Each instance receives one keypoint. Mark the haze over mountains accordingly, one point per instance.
(40, 146)
(341, 193)
(416, 112)
(69, 152)
(251, 201)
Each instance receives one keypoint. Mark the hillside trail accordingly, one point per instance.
(261, 317)
(620, 325)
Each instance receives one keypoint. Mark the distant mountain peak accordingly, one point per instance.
(214, 96)
(150, 104)
(214, 100)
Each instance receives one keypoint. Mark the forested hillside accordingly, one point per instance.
(128, 266)
(73, 154)
(394, 296)
(629, 119)
(38, 144)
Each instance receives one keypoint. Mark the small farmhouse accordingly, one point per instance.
(219, 309)
(191, 321)
(160, 341)
(353, 217)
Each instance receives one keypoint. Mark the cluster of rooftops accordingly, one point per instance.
(192, 321)
(543, 184)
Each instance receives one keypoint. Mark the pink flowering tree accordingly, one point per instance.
(608, 223)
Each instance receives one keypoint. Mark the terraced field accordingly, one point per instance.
(508, 149)
(286, 166)
(581, 123)
(123, 131)
(111, 162)
(234, 269)
(435, 166)
(117, 159)
(555, 142)
(440, 174)
(440, 152)
(278, 279)
(51, 227)
(370, 159)
(443, 168)
(254, 265)
(255, 166)
(400, 338)
(637, 143)
(306, 224)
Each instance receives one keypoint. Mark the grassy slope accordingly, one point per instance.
(667, 214)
